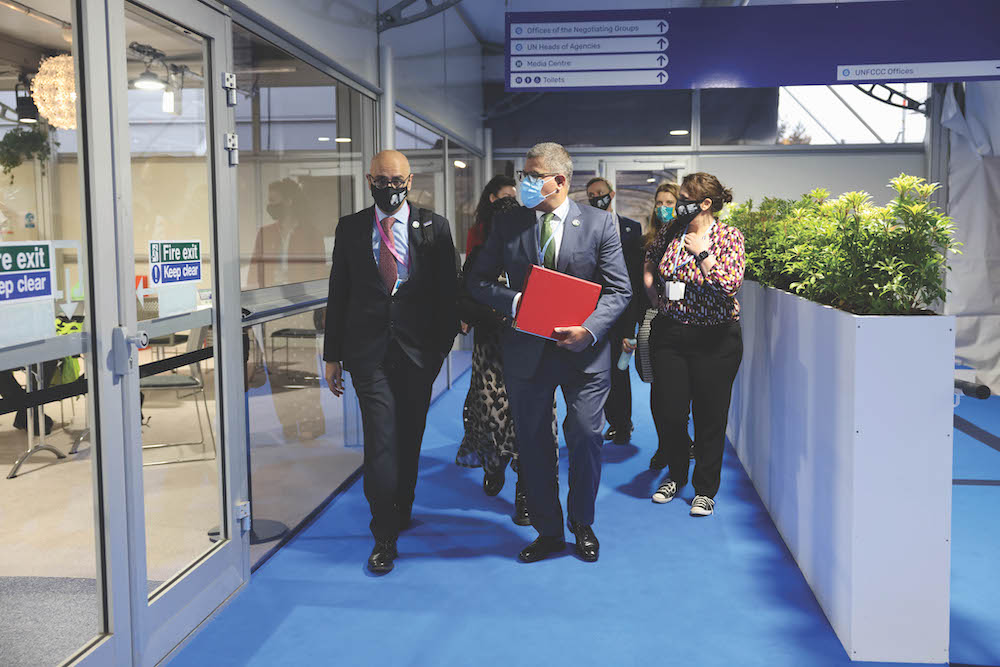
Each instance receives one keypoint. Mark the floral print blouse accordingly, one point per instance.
(707, 301)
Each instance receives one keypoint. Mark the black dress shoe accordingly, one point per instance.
(520, 516)
(659, 460)
(383, 555)
(587, 546)
(691, 451)
(622, 437)
(610, 433)
(493, 482)
(541, 548)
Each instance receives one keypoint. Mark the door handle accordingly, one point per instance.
(123, 348)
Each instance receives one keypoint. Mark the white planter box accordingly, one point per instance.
(844, 425)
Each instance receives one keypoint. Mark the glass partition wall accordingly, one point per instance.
(306, 141)
(51, 589)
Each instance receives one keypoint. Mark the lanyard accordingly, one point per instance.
(391, 246)
(680, 249)
(552, 237)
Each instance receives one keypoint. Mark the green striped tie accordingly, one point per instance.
(548, 229)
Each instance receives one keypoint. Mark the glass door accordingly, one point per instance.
(182, 366)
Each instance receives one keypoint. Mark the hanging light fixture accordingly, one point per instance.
(27, 112)
(54, 91)
(148, 81)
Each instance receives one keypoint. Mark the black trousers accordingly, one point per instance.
(694, 366)
(394, 399)
(618, 409)
(531, 406)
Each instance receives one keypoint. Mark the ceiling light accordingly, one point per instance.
(679, 133)
(322, 138)
(460, 164)
(343, 140)
(54, 91)
(651, 180)
(148, 81)
(27, 112)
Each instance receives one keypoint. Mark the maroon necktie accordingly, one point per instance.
(386, 260)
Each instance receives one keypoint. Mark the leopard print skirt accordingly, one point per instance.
(489, 440)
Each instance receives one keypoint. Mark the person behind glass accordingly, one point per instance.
(696, 344)
(489, 440)
(390, 321)
(285, 251)
(662, 215)
(618, 409)
(551, 230)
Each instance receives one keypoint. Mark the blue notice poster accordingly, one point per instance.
(753, 47)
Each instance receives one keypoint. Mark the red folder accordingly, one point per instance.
(551, 299)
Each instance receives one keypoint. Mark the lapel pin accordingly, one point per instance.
(576, 223)
(416, 225)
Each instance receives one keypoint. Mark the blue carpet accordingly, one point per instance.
(668, 588)
(984, 414)
(974, 460)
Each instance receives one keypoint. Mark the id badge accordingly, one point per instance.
(675, 291)
(395, 288)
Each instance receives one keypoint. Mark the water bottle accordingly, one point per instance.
(626, 356)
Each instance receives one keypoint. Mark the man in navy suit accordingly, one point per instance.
(552, 231)
(618, 409)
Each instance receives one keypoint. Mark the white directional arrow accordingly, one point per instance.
(142, 293)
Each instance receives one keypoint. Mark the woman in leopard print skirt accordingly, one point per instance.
(489, 429)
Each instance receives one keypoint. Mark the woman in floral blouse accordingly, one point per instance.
(696, 344)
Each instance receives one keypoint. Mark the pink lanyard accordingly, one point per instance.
(391, 245)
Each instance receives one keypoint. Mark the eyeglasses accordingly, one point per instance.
(521, 174)
(382, 182)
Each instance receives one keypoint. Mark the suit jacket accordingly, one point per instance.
(362, 317)
(631, 235)
(306, 259)
(590, 249)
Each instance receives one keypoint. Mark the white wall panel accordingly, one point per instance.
(789, 176)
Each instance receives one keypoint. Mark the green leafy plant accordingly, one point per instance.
(20, 144)
(850, 253)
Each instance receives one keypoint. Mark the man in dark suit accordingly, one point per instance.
(390, 321)
(551, 230)
(618, 410)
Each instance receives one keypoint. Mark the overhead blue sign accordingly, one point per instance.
(754, 47)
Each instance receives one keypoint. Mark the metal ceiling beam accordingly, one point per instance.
(393, 17)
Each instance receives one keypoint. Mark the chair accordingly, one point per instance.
(193, 384)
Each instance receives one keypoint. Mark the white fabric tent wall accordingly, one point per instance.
(974, 204)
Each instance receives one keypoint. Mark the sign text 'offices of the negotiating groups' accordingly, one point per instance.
(26, 272)
(753, 47)
(174, 262)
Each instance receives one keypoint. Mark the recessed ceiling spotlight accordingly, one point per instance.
(322, 138)
(460, 164)
(679, 133)
(343, 140)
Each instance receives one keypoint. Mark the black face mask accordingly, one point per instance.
(388, 199)
(686, 210)
(504, 204)
(602, 202)
(276, 211)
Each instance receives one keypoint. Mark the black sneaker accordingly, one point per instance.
(666, 492)
(702, 506)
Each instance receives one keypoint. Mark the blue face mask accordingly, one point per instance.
(531, 191)
(665, 213)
